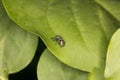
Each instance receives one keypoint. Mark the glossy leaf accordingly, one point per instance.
(113, 56)
(84, 26)
(17, 47)
(49, 67)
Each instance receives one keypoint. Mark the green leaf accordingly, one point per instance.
(115, 76)
(85, 27)
(49, 67)
(97, 74)
(112, 6)
(113, 56)
(17, 47)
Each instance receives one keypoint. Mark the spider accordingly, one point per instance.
(59, 40)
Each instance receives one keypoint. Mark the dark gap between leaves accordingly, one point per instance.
(30, 72)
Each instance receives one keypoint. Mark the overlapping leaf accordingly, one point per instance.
(113, 58)
(17, 47)
(112, 6)
(85, 27)
(49, 67)
(97, 74)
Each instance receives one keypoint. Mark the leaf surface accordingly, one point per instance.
(49, 67)
(112, 6)
(113, 56)
(97, 74)
(85, 27)
(17, 47)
